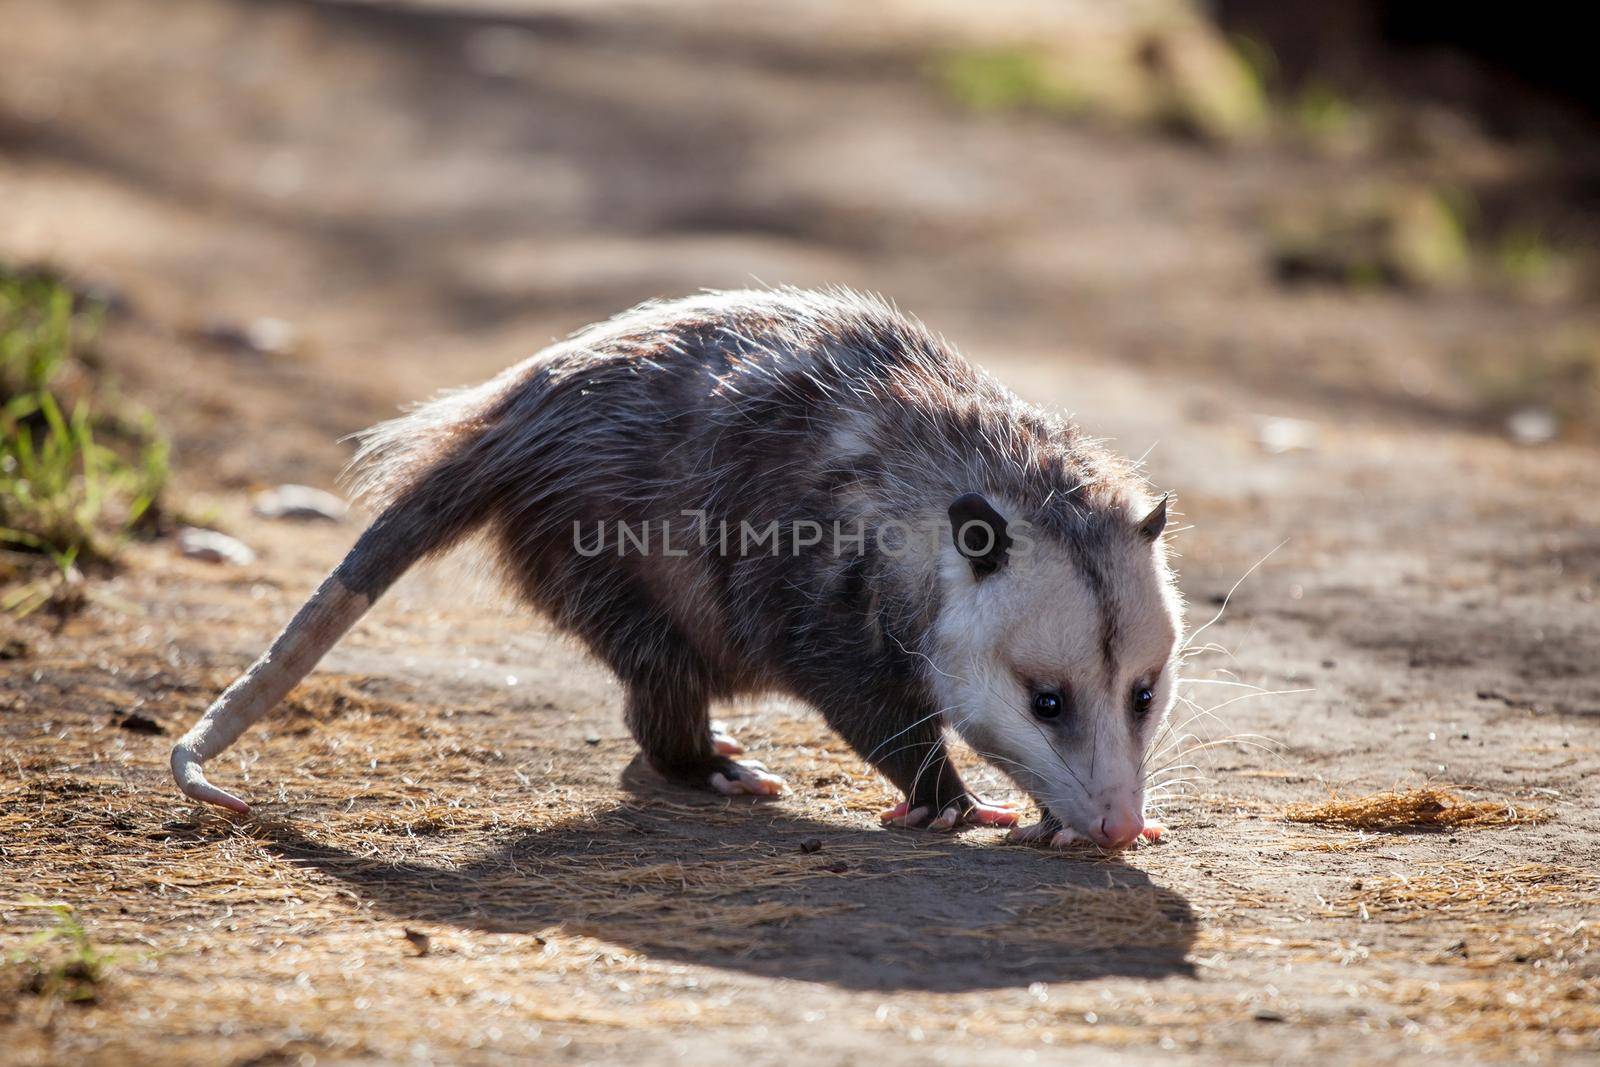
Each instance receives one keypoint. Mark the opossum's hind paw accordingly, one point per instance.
(745, 778)
(724, 742)
(973, 811)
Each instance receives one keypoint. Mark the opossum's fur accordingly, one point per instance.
(788, 406)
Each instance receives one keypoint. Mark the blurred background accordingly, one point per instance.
(1355, 210)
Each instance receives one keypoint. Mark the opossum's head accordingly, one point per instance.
(1056, 656)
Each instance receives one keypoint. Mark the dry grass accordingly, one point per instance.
(1520, 1009)
(1428, 808)
(1471, 890)
(1312, 844)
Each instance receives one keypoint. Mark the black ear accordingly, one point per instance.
(980, 534)
(1152, 524)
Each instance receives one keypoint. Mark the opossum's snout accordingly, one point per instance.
(1119, 830)
(1109, 813)
(1081, 753)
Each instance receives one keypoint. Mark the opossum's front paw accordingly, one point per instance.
(724, 742)
(745, 778)
(971, 810)
(1049, 832)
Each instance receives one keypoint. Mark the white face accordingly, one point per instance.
(1062, 678)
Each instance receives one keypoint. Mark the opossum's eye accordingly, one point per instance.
(1047, 704)
(1143, 698)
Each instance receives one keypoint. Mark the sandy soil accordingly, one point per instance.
(427, 195)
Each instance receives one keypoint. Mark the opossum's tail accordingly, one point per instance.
(427, 472)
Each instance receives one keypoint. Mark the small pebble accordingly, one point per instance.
(301, 503)
(1533, 426)
(1276, 436)
(213, 547)
(260, 337)
(836, 867)
(274, 337)
(810, 845)
(592, 739)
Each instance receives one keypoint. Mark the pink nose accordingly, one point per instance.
(1119, 830)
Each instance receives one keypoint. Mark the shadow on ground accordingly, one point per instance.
(697, 880)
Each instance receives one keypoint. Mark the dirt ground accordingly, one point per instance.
(428, 193)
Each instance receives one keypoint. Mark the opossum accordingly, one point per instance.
(792, 492)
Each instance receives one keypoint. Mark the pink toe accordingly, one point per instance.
(992, 815)
(900, 816)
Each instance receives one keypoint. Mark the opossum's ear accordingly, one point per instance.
(1152, 524)
(980, 534)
